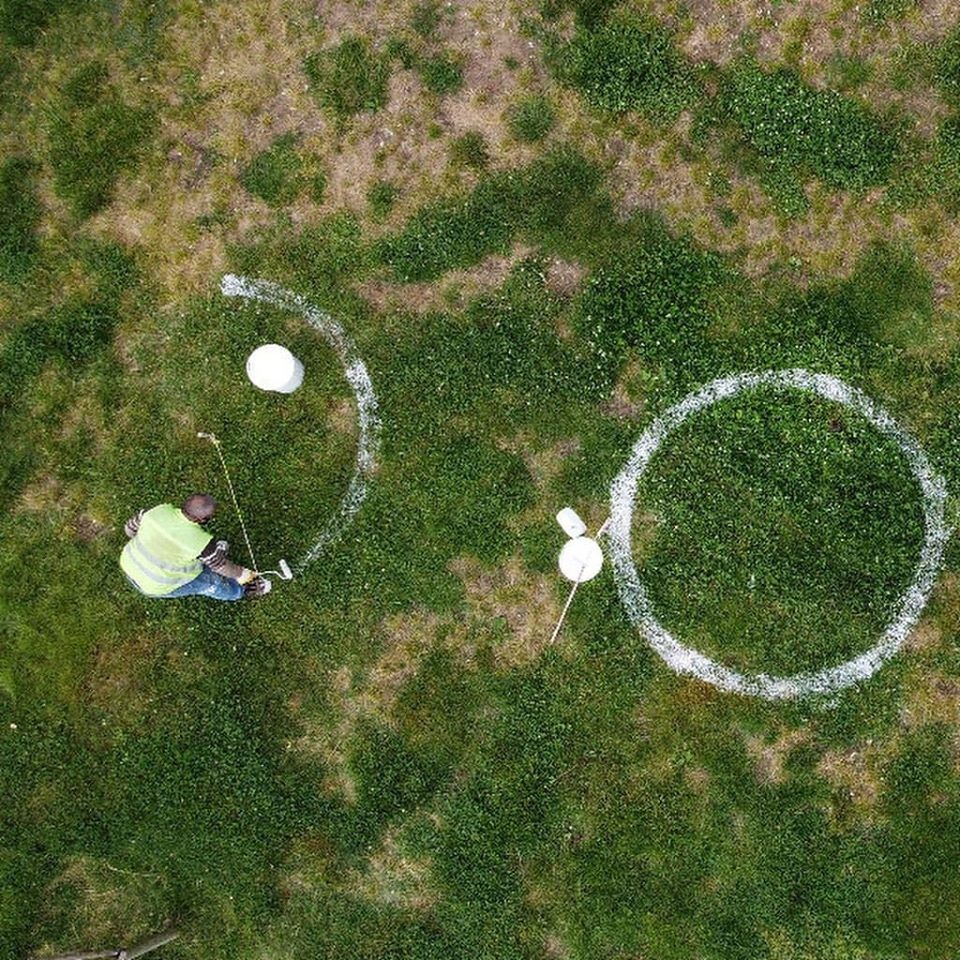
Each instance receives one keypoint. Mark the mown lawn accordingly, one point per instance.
(539, 240)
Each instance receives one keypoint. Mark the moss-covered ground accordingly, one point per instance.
(542, 225)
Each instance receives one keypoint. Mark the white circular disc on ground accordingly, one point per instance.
(273, 367)
(368, 419)
(580, 559)
(907, 608)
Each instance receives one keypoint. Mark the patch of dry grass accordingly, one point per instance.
(395, 877)
(770, 756)
(456, 289)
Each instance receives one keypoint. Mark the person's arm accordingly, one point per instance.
(131, 527)
(214, 557)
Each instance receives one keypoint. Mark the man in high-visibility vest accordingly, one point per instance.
(170, 554)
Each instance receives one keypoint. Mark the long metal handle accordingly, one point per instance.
(138, 951)
(158, 941)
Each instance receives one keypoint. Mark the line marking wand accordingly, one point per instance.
(223, 463)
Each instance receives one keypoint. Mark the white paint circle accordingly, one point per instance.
(368, 443)
(273, 367)
(580, 559)
(909, 605)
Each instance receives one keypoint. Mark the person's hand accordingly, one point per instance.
(246, 576)
(258, 587)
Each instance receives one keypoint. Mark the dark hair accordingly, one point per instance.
(199, 507)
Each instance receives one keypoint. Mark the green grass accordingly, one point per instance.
(94, 136)
(626, 63)
(381, 197)
(425, 18)
(807, 132)
(460, 232)
(470, 150)
(22, 21)
(385, 758)
(531, 119)
(787, 529)
(275, 175)
(879, 11)
(441, 73)
(947, 68)
(20, 212)
(348, 79)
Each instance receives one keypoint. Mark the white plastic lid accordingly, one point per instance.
(581, 559)
(271, 366)
(570, 523)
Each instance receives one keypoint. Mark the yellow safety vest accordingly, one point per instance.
(163, 554)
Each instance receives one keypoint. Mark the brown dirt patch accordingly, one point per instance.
(564, 277)
(371, 695)
(925, 637)
(43, 494)
(396, 878)
(855, 776)
(543, 463)
(628, 400)
(525, 602)
(107, 905)
(555, 948)
(342, 417)
(697, 779)
(457, 288)
(116, 684)
(935, 699)
(770, 757)
(329, 740)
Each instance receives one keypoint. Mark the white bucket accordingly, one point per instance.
(580, 559)
(275, 368)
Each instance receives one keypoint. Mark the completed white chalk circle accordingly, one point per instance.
(368, 443)
(909, 606)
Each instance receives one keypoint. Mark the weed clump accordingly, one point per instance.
(531, 119)
(796, 128)
(93, 137)
(348, 78)
(275, 175)
(19, 215)
(627, 63)
(441, 74)
(381, 197)
(470, 150)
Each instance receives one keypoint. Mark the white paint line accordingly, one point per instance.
(368, 443)
(686, 660)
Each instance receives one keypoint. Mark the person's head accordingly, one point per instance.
(199, 507)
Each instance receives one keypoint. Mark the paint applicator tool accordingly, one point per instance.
(284, 573)
(580, 559)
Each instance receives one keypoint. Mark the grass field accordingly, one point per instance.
(542, 224)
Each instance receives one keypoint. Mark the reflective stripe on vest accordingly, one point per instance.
(163, 554)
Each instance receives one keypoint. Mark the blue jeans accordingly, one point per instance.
(207, 584)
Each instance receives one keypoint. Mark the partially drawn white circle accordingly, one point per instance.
(368, 443)
(909, 605)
